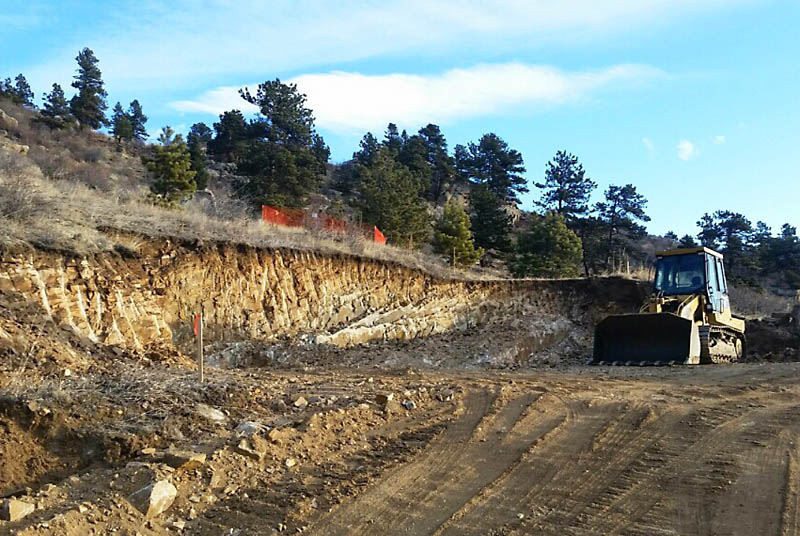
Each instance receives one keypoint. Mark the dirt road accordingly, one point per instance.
(665, 451)
(577, 451)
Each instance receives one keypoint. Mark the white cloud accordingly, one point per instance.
(346, 101)
(138, 42)
(686, 150)
(648, 143)
(719, 140)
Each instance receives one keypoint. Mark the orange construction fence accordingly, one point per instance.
(313, 219)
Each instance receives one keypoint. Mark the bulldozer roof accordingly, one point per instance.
(688, 251)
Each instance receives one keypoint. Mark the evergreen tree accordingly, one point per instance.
(491, 224)
(121, 125)
(283, 117)
(730, 233)
(173, 178)
(414, 156)
(231, 136)
(138, 120)
(197, 141)
(620, 213)
(440, 163)
(55, 109)
(687, 241)
(392, 139)
(7, 89)
(89, 105)
(390, 200)
(453, 237)
(492, 163)
(566, 187)
(670, 235)
(284, 159)
(23, 92)
(548, 249)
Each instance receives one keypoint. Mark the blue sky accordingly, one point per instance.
(693, 101)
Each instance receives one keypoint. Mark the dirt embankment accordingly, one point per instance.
(144, 301)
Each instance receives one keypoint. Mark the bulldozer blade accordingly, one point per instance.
(646, 339)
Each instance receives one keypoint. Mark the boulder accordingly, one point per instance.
(154, 499)
(14, 510)
(210, 413)
(8, 122)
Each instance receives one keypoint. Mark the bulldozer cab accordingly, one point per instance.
(683, 272)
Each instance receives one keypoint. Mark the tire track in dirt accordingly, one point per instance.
(421, 495)
(674, 486)
(551, 468)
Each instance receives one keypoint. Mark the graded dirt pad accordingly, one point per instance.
(584, 450)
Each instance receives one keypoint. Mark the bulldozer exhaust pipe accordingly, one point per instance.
(646, 339)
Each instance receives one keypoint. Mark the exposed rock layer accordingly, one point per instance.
(150, 298)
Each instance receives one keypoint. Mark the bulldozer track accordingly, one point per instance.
(624, 457)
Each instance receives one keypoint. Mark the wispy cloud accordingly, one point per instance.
(648, 143)
(344, 101)
(138, 42)
(719, 140)
(686, 150)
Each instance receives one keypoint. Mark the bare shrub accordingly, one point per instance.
(757, 303)
(93, 154)
(22, 196)
(95, 176)
(55, 165)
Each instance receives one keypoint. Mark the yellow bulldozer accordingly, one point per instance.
(686, 320)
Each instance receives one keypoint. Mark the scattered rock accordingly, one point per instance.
(445, 395)
(210, 413)
(384, 398)
(184, 459)
(300, 402)
(149, 451)
(179, 525)
(277, 435)
(409, 404)
(253, 447)
(154, 499)
(248, 428)
(290, 462)
(14, 510)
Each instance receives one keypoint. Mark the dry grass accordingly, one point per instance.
(61, 196)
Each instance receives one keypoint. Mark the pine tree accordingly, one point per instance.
(493, 163)
(231, 136)
(23, 92)
(89, 105)
(392, 139)
(548, 249)
(285, 159)
(138, 120)
(687, 241)
(491, 224)
(197, 140)
(453, 237)
(173, 178)
(55, 108)
(121, 125)
(566, 187)
(620, 213)
(390, 200)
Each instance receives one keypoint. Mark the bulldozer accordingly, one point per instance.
(686, 320)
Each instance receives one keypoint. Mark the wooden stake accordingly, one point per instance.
(200, 347)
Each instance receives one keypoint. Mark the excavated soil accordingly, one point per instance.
(337, 403)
